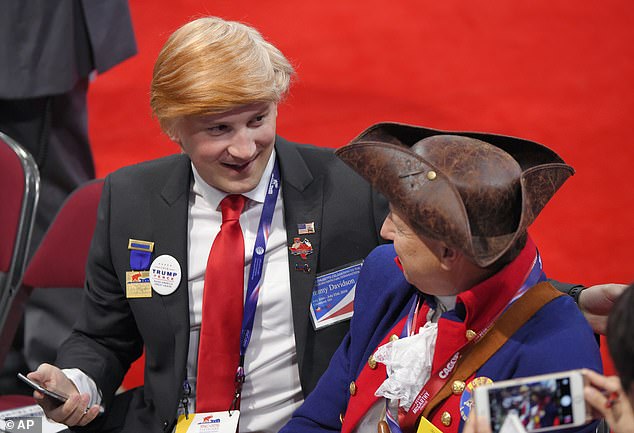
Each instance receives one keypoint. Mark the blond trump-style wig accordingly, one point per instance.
(210, 66)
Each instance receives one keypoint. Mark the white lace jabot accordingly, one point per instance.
(409, 359)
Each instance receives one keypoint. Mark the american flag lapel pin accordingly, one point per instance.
(306, 228)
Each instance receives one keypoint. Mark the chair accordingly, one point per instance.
(60, 259)
(48, 268)
(19, 183)
(19, 188)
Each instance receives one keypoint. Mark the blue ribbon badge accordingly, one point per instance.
(140, 254)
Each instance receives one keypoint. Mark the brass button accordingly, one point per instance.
(353, 388)
(394, 337)
(431, 175)
(445, 419)
(372, 362)
(383, 427)
(457, 386)
(341, 417)
(470, 334)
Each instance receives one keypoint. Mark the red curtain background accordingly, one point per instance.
(556, 71)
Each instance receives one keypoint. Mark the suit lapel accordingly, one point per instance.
(170, 207)
(303, 203)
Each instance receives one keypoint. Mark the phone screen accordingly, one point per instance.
(539, 404)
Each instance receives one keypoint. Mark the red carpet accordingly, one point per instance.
(555, 71)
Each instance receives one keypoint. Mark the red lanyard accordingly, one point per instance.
(440, 377)
(438, 380)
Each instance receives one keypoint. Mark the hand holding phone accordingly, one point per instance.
(57, 398)
(541, 403)
(606, 399)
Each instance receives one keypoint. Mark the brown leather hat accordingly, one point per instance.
(477, 192)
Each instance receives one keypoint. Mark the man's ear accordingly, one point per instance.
(448, 257)
(171, 129)
(174, 137)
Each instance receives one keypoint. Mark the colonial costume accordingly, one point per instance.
(411, 360)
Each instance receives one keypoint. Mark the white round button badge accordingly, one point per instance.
(165, 274)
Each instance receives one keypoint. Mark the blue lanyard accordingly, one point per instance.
(257, 265)
(535, 275)
(412, 317)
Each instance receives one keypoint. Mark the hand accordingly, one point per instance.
(596, 302)
(75, 412)
(476, 424)
(614, 407)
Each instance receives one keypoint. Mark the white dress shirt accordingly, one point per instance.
(272, 389)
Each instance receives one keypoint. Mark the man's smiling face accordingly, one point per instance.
(230, 150)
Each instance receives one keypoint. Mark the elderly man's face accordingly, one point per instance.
(420, 266)
(230, 150)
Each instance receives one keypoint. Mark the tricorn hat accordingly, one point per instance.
(477, 192)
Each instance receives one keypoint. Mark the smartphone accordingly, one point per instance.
(542, 403)
(57, 397)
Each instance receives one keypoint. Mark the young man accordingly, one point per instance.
(459, 299)
(215, 90)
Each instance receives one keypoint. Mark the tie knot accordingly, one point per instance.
(232, 206)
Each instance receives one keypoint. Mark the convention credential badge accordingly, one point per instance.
(217, 422)
(333, 295)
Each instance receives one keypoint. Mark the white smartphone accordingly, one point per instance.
(542, 403)
(56, 397)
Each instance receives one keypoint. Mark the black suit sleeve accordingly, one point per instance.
(105, 339)
(573, 290)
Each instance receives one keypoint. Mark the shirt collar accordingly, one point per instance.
(484, 301)
(213, 196)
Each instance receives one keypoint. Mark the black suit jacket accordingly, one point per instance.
(149, 201)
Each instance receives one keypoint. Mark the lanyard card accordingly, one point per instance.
(333, 295)
(217, 422)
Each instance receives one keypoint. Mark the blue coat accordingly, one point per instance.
(556, 338)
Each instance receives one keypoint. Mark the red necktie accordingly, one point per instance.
(219, 345)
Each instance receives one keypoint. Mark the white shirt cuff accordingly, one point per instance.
(84, 384)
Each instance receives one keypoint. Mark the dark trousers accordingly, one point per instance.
(54, 129)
